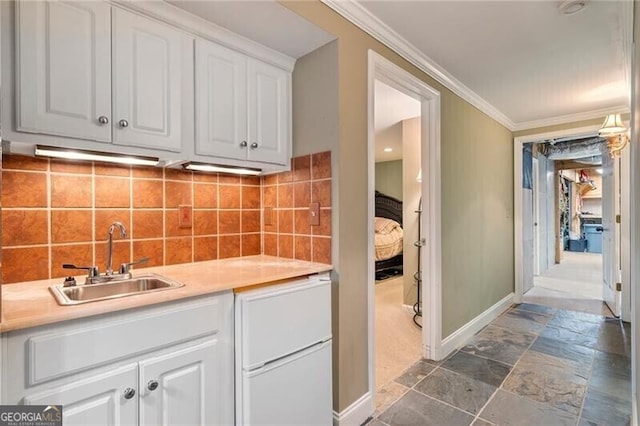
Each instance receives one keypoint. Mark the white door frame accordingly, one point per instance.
(384, 70)
(517, 200)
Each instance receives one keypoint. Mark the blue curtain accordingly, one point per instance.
(527, 166)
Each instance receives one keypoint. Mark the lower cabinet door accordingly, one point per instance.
(108, 398)
(190, 386)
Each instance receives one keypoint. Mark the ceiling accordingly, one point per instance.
(523, 62)
(265, 21)
(391, 107)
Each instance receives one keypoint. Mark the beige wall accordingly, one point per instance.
(389, 178)
(477, 204)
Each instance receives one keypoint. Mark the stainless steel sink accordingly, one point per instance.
(110, 290)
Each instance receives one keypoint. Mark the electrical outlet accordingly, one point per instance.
(314, 214)
(185, 216)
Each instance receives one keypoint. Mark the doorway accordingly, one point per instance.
(428, 162)
(569, 210)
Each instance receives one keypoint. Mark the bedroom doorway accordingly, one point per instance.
(419, 271)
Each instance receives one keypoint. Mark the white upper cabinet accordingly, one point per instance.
(148, 70)
(63, 79)
(269, 105)
(243, 106)
(221, 101)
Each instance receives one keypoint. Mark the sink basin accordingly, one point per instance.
(110, 290)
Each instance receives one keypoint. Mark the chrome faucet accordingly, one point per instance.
(123, 234)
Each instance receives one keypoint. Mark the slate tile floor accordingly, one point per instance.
(534, 365)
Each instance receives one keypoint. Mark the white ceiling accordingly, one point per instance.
(526, 61)
(391, 107)
(264, 21)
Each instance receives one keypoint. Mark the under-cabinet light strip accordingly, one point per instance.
(80, 154)
(214, 168)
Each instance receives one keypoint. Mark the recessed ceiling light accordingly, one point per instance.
(571, 7)
(388, 149)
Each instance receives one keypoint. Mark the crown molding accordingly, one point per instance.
(571, 118)
(365, 20)
(355, 13)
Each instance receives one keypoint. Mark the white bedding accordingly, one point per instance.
(388, 238)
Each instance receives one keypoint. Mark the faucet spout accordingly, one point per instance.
(123, 234)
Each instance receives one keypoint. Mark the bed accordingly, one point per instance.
(388, 207)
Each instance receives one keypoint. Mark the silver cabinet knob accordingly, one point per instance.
(254, 145)
(152, 385)
(243, 144)
(103, 120)
(123, 123)
(129, 393)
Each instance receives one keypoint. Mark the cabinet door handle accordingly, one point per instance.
(123, 123)
(129, 393)
(152, 385)
(254, 145)
(103, 120)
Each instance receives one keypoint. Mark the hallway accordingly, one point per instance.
(534, 365)
(575, 284)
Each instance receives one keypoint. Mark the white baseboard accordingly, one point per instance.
(357, 413)
(464, 333)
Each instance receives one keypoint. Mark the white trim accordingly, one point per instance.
(195, 25)
(571, 118)
(357, 413)
(358, 15)
(634, 409)
(379, 68)
(462, 335)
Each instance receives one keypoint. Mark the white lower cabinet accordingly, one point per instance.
(173, 365)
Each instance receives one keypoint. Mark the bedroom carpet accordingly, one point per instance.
(398, 340)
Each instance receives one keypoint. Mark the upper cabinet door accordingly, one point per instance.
(147, 82)
(221, 101)
(63, 75)
(269, 98)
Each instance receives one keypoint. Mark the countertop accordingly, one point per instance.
(30, 304)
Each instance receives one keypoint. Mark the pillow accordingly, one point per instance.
(382, 225)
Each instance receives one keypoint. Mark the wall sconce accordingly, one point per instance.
(616, 134)
(86, 155)
(215, 168)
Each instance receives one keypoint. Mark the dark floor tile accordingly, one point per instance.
(614, 337)
(610, 363)
(571, 324)
(486, 370)
(603, 409)
(567, 336)
(374, 422)
(460, 391)
(500, 344)
(532, 307)
(415, 373)
(580, 316)
(507, 409)
(521, 320)
(420, 410)
(551, 380)
(565, 350)
(611, 384)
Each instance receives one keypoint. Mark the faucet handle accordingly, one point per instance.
(92, 271)
(125, 267)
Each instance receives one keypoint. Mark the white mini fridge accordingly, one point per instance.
(283, 354)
